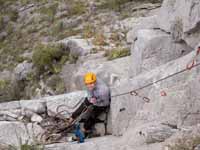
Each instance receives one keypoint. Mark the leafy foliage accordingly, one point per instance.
(45, 55)
(77, 8)
(117, 53)
(185, 144)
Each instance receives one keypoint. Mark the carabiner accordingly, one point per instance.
(134, 93)
(146, 99)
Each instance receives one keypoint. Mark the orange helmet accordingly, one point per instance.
(90, 78)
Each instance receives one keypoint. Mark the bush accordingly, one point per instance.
(77, 8)
(26, 147)
(113, 4)
(185, 144)
(44, 55)
(117, 53)
(11, 90)
(57, 29)
(30, 147)
(13, 14)
(3, 84)
(49, 11)
(1, 22)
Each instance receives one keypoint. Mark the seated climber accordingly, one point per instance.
(97, 102)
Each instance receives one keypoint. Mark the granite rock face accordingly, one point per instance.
(154, 48)
(179, 106)
(181, 18)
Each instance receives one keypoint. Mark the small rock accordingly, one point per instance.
(36, 118)
(156, 133)
(197, 147)
(3, 35)
(10, 105)
(37, 106)
(78, 47)
(22, 70)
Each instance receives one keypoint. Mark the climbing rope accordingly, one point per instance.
(62, 108)
(134, 92)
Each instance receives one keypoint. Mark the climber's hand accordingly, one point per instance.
(93, 100)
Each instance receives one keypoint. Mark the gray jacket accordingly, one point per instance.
(102, 94)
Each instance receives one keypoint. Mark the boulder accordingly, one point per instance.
(77, 47)
(5, 75)
(66, 102)
(197, 147)
(108, 71)
(155, 133)
(139, 24)
(3, 35)
(178, 107)
(10, 105)
(10, 115)
(36, 118)
(183, 17)
(22, 70)
(34, 132)
(154, 48)
(13, 133)
(147, 135)
(185, 138)
(37, 106)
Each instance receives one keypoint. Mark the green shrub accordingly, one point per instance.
(26, 147)
(57, 29)
(185, 144)
(1, 22)
(24, 2)
(13, 14)
(117, 53)
(77, 8)
(44, 55)
(4, 2)
(10, 91)
(3, 84)
(30, 147)
(113, 4)
(49, 11)
(32, 29)
(20, 59)
(9, 28)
